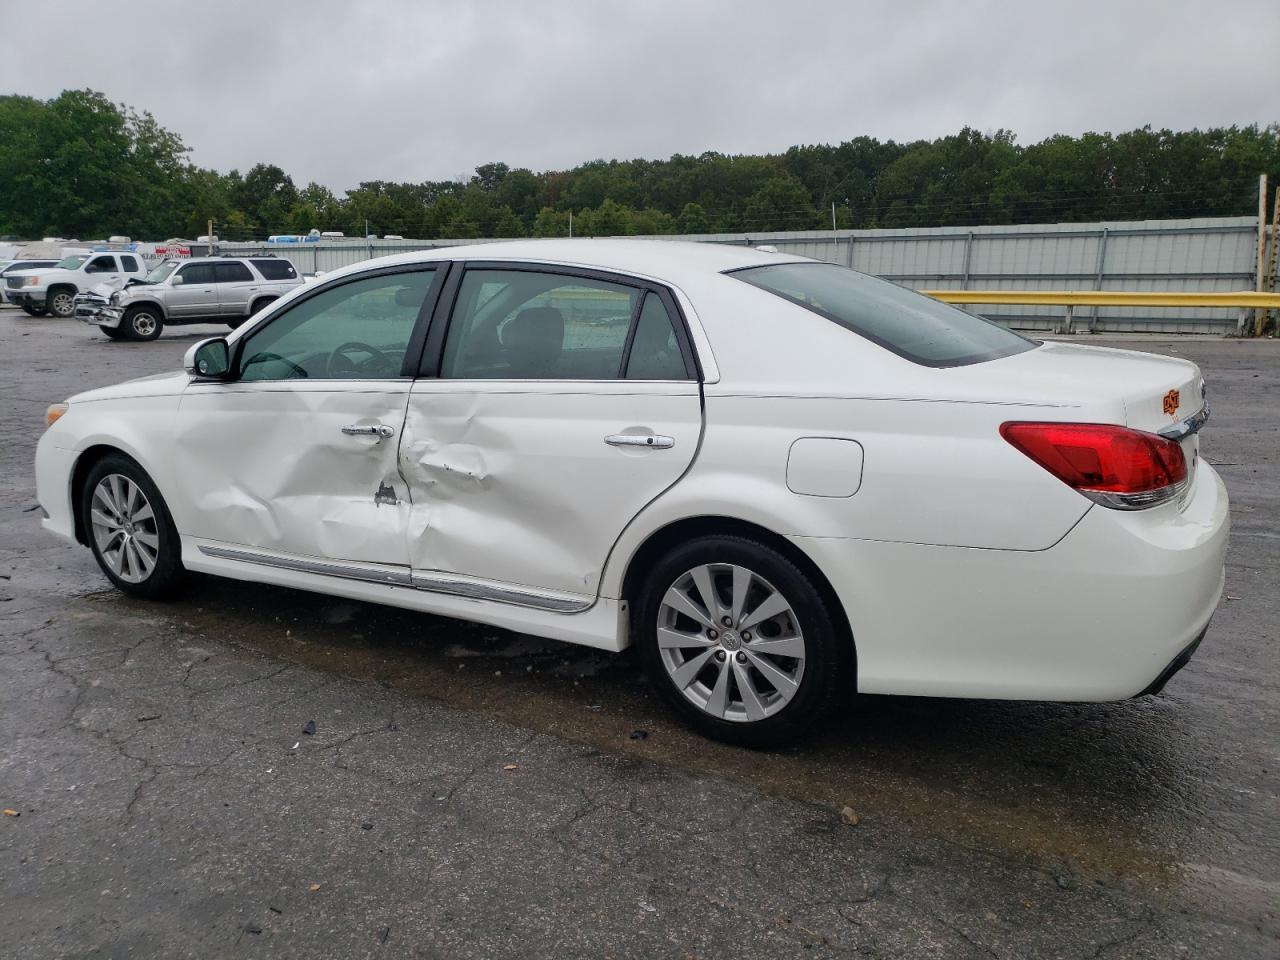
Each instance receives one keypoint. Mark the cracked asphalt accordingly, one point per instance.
(472, 793)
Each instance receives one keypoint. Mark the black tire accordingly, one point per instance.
(142, 322)
(167, 576)
(114, 333)
(827, 672)
(61, 302)
(34, 311)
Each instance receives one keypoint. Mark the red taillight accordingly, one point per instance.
(1115, 466)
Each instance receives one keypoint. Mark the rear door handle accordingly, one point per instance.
(639, 440)
(380, 430)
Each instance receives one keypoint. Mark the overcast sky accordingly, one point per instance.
(341, 92)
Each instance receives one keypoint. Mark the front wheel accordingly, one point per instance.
(130, 531)
(740, 641)
(62, 302)
(142, 323)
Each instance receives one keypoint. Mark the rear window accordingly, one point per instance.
(275, 269)
(915, 327)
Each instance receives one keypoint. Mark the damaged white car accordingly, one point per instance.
(782, 480)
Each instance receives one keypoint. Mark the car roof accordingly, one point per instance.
(669, 260)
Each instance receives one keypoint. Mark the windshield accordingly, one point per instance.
(70, 263)
(913, 326)
(161, 272)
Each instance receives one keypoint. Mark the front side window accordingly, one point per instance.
(231, 273)
(915, 327)
(196, 273)
(101, 265)
(528, 325)
(357, 331)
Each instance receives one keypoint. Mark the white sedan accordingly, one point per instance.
(782, 480)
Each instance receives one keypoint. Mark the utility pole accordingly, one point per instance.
(570, 224)
(209, 227)
(835, 234)
(1258, 314)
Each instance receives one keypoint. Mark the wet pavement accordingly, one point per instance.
(468, 792)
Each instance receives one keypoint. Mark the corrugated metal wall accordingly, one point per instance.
(1208, 254)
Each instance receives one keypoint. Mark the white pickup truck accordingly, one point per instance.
(53, 289)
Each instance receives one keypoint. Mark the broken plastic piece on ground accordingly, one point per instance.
(11, 813)
(847, 816)
(309, 728)
(510, 766)
(314, 887)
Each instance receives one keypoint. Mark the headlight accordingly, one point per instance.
(54, 413)
(32, 281)
(114, 298)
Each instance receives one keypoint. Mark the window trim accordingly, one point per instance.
(445, 314)
(413, 349)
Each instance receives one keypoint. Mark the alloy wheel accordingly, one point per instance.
(124, 528)
(730, 642)
(63, 305)
(144, 324)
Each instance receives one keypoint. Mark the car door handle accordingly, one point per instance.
(381, 431)
(639, 440)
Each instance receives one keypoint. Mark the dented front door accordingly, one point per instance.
(299, 455)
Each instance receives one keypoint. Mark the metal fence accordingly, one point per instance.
(1213, 254)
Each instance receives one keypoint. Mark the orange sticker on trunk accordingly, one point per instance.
(1171, 403)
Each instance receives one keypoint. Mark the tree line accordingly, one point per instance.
(78, 165)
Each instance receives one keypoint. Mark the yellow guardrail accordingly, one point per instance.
(1243, 300)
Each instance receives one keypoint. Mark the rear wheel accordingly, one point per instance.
(740, 641)
(130, 531)
(142, 323)
(62, 302)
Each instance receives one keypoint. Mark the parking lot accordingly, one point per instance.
(472, 793)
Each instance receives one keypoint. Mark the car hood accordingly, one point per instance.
(156, 385)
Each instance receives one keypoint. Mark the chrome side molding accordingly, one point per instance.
(326, 568)
(475, 590)
(1187, 427)
(444, 583)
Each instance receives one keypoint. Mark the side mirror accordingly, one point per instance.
(177, 281)
(208, 360)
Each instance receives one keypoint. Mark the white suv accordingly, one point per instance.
(54, 289)
(207, 290)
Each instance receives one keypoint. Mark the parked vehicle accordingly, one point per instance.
(204, 290)
(53, 289)
(782, 480)
(15, 267)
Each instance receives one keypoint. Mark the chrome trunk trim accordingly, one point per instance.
(1193, 423)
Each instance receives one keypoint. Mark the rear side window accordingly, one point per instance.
(915, 327)
(129, 264)
(231, 272)
(276, 269)
(527, 325)
(101, 265)
(655, 351)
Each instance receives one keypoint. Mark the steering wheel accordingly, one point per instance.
(378, 365)
(295, 371)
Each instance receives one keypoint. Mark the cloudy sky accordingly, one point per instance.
(341, 92)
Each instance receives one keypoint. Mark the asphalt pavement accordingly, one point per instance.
(254, 771)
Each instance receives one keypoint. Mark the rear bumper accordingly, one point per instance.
(1104, 614)
(1178, 662)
